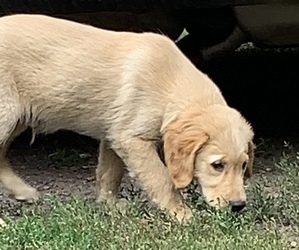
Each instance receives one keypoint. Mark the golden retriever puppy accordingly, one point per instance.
(130, 91)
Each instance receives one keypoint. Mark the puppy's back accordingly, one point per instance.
(62, 72)
(38, 40)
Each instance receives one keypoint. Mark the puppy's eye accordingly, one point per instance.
(218, 166)
(244, 165)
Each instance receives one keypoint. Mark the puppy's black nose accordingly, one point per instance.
(237, 206)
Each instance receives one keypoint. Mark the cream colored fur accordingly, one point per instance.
(128, 90)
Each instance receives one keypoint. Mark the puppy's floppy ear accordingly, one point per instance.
(182, 140)
(249, 169)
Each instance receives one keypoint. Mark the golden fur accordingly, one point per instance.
(130, 91)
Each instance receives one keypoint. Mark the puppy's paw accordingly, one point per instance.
(106, 197)
(114, 204)
(182, 213)
(122, 204)
(28, 194)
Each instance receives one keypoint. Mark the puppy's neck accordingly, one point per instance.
(190, 107)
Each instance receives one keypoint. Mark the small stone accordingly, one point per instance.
(46, 187)
(90, 178)
(293, 244)
(79, 176)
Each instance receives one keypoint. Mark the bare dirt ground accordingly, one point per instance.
(263, 86)
(62, 164)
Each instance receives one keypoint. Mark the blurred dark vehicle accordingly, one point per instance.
(214, 27)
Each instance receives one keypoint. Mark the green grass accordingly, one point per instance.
(76, 225)
(271, 220)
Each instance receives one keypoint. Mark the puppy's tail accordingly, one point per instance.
(33, 134)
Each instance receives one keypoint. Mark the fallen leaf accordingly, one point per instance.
(84, 156)
(2, 223)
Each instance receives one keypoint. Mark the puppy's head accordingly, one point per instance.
(215, 147)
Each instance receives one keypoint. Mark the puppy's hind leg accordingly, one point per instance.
(9, 178)
(10, 128)
(109, 173)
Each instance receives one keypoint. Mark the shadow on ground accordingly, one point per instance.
(264, 86)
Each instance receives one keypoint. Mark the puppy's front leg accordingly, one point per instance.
(144, 164)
